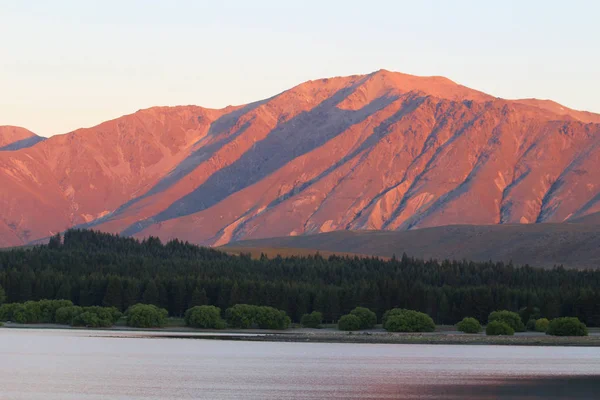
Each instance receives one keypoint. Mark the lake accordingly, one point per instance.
(86, 365)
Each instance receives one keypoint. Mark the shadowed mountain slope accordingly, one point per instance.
(384, 151)
(572, 245)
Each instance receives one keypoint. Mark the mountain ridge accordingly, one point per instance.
(16, 138)
(378, 151)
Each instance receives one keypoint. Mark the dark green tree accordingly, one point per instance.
(199, 297)
(113, 296)
(150, 295)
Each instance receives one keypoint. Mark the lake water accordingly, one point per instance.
(85, 365)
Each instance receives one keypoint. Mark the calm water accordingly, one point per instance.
(57, 364)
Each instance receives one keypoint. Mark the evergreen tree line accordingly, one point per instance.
(97, 269)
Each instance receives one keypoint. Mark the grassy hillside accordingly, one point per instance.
(255, 252)
(574, 245)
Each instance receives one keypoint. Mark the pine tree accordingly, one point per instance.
(178, 304)
(234, 295)
(131, 293)
(150, 295)
(199, 298)
(114, 294)
(54, 242)
(64, 291)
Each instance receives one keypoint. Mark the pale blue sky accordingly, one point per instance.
(70, 64)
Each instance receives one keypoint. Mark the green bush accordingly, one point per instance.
(510, 318)
(541, 325)
(32, 312)
(146, 316)
(29, 313)
(567, 326)
(349, 322)
(96, 317)
(402, 320)
(499, 328)
(48, 309)
(368, 319)
(240, 316)
(8, 310)
(469, 325)
(312, 320)
(244, 316)
(530, 325)
(65, 315)
(271, 318)
(205, 317)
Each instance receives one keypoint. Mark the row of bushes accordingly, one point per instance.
(244, 316)
(395, 320)
(501, 322)
(506, 323)
(63, 312)
(240, 316)
(59, 312)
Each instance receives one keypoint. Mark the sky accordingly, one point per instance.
(71, 64)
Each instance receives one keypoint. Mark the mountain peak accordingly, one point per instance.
(384, 151)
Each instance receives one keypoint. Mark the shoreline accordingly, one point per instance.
(304, 335)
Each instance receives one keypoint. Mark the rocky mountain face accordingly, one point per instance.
(384, 151)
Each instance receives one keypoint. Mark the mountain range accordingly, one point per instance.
(383, 151)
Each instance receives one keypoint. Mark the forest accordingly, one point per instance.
(97, 269)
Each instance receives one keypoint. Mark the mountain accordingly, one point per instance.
(15, 138)
(573, 245)
(383, 151)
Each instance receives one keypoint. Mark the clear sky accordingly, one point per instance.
(70, 64)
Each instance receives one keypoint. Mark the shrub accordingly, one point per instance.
(30, 312)
(567, 326)
(271, 318)
(312, 320)
(65, 315)
(402, 320)
(244, 316)
(8, 310)
(89, 319)
(48, 309)
(349, 322)
(499, 328)
(205, 317)
(469, 325)
(96, 317)
(541, 325)
(530, 325)
(368, 319)
(510, 318)
(146, 316)
(240, 316)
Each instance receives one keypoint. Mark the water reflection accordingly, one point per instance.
(82, 365)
